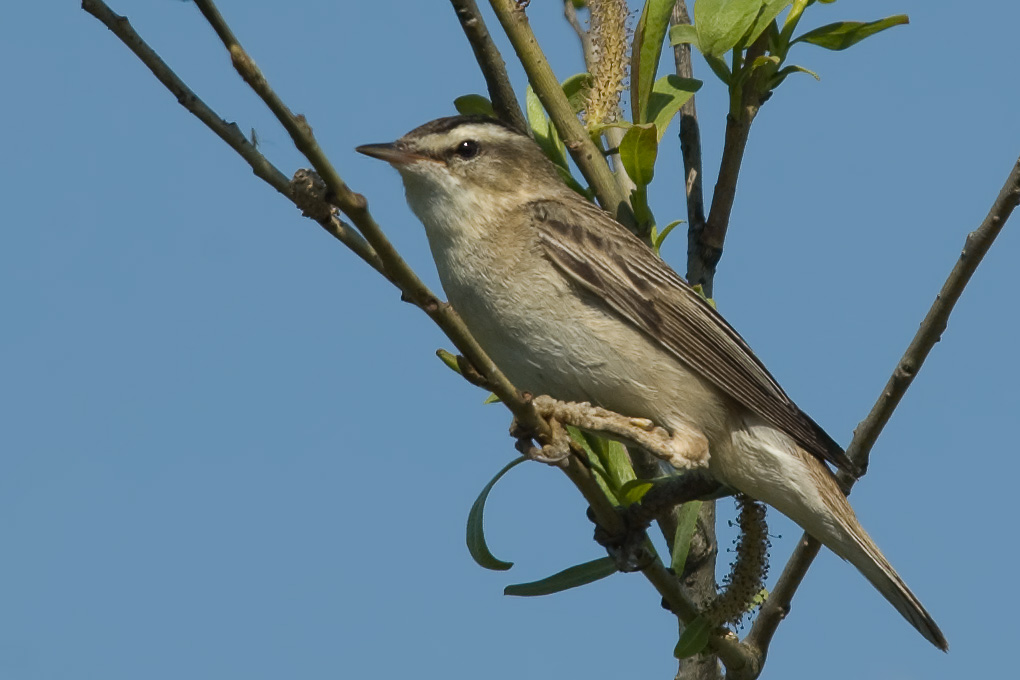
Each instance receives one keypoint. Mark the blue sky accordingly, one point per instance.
(228, 449)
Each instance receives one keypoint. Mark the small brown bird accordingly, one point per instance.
(569, 303)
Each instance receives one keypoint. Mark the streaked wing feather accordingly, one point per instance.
(613, 264)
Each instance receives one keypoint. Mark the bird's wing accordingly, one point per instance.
(605, 259)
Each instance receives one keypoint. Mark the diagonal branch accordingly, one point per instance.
(976, 245)
(501, 92)
(379, 252)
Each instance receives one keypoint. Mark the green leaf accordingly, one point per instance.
(449, 359)
(722, 23)
(475, 533)
(545, 134)
(659, 237)
(694, 639)
(492, 399)
(601, 476)
(719, 68)
(648, 38)
(633, 491)
(770, 9)
(843, 34)
(614, 457)
(638, 149)
(787, 70)
(474, 104)
(572, 577)
(576, 88)
(668, 94)
(684, 34)
(687, 522)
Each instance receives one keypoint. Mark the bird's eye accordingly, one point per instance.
(467, 149)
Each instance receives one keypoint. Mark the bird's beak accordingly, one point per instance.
(391, 153)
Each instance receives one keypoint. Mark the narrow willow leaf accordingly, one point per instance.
(668, 94)
(601, 476)
(694, 639)
(660, 237)
(492, 399)
(686, 523)
(475, 533)
(638, 149)
(843, 34)
(545, 134)
(633, 491)
(617, 462)
(648, 39)
(576, 88)
(722, 23)
(787, 70)
(684, 34)
(449, 359)
(572, 577)
(474, 104)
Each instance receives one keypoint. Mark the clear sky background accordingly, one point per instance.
(229, 452)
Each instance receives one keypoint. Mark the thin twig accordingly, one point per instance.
(581, 147)
(977, 244)
(738, 127)
(228, 132)
(501, 92)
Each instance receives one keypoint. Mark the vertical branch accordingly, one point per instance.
(490, 61)
(699, 271)
(699, 578)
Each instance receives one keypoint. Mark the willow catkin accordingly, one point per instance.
(609, 60)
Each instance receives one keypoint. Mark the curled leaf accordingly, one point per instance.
(475, 533)
(572, 577)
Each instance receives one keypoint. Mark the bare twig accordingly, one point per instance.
(501, 92)
(228, 132)
(581, 147)
(977, 244)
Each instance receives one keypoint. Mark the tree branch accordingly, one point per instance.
(379, 252)
(698, 268)
(581, 147)
(699, 580)
(709, 242)
(501, 92)
(976, 245)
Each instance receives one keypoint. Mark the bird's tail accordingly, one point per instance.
(774, 470)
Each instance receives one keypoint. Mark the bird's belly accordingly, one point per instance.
(574, 349)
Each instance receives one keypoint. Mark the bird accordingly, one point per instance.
(569, 303)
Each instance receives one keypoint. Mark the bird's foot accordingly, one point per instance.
(684, 448)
